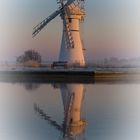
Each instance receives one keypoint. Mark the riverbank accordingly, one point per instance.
(64, 77)
(107, 76)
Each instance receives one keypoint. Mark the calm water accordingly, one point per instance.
(100, 111)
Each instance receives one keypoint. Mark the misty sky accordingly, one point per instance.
(111, 28)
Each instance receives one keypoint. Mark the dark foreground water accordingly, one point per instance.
(100, 111)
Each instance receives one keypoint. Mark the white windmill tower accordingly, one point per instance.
(72, 13)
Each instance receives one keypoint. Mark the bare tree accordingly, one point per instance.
(29, 55)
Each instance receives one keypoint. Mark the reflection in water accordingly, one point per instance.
(31, 86)
(73, 126)
(112, 111)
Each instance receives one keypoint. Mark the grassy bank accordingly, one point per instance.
(117, 76)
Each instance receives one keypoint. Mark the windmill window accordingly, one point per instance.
(70, 20)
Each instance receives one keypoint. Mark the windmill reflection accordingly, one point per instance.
(73, 126)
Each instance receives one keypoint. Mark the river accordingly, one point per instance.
(70, 111)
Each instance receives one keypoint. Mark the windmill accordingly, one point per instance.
(72, 13)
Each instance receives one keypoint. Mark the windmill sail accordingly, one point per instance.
(40, 26)
(47, 118)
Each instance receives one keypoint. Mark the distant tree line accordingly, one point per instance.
(29, 55)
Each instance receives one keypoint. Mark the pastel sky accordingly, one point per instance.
(111, 28)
